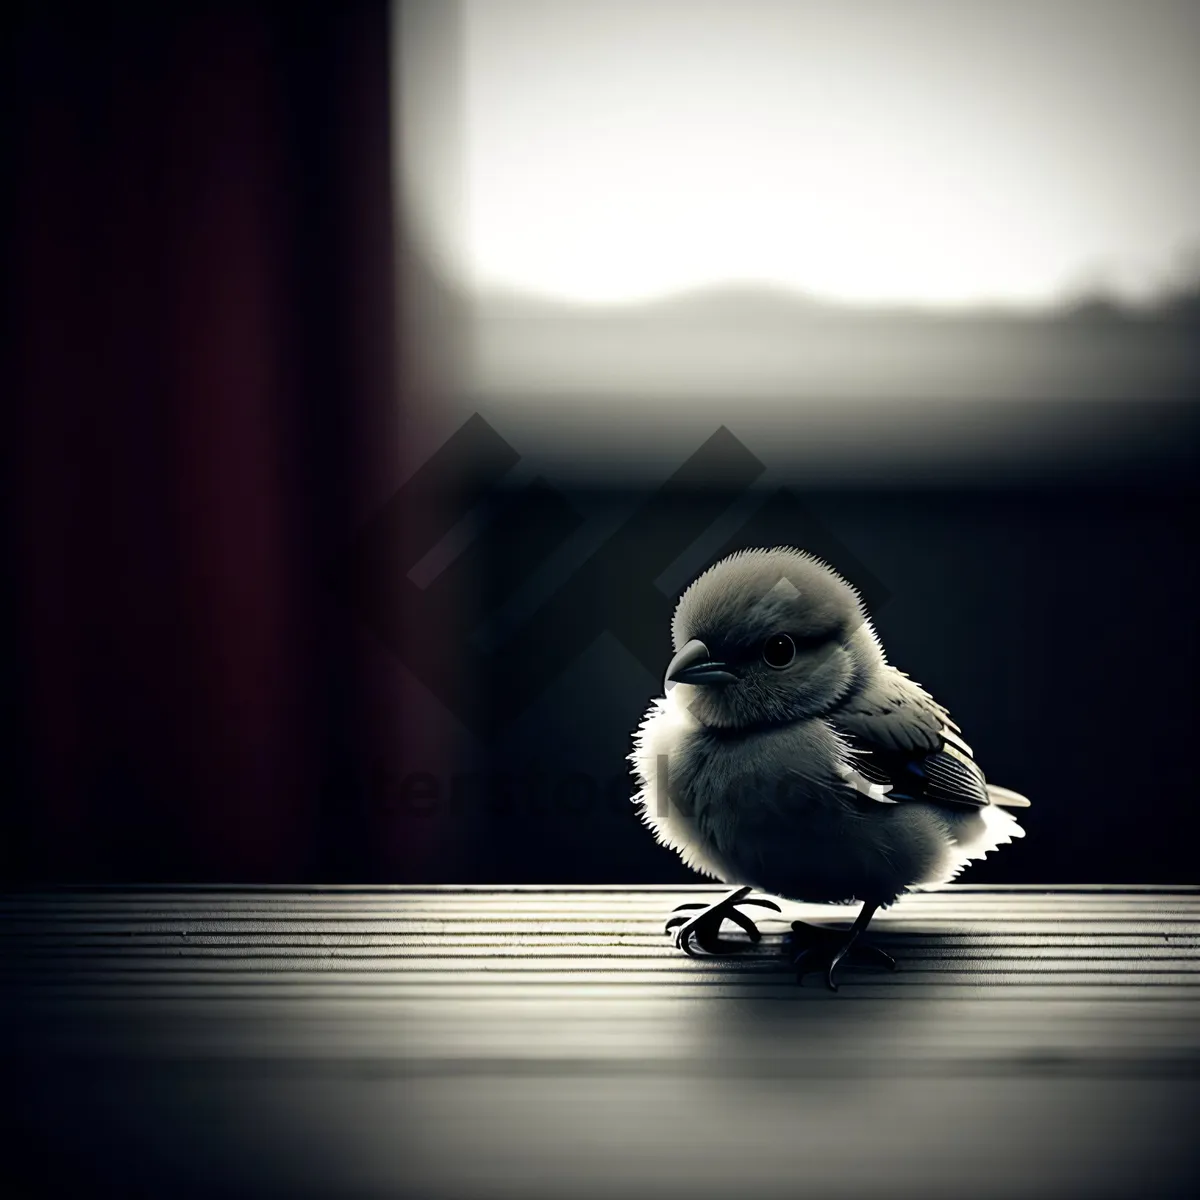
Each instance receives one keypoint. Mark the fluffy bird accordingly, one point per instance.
(789, 757)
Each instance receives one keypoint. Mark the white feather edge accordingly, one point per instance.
(1000, 829)
(861, 784)
(1006, 798)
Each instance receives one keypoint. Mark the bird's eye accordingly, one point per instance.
(778, 651)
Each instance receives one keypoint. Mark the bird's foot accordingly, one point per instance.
(822, 948)
(703, 931)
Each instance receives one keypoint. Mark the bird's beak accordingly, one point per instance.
(693, 665)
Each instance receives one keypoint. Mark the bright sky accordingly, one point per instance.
(928, 151)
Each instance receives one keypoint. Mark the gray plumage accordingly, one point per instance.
(828, 777)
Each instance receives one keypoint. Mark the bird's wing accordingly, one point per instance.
(903, 746)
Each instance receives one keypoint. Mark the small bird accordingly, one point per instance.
(788, 757)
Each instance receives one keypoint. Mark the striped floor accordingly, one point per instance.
(530, 1042)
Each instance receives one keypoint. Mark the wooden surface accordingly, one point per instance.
(532, 1042)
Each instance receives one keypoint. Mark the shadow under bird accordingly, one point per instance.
(789, 757)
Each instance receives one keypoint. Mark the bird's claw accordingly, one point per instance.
(819, 948)
(702, 932)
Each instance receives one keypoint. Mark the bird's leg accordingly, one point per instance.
(703, 931)
(819, 948)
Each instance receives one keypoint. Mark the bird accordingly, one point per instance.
(788, 757)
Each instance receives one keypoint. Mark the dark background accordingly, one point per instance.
(1055, 622)
(209, 407)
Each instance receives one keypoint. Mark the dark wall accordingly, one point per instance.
(1056, 623)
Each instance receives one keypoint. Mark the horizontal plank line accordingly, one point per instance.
(1146, 972)
(566, 923)
(383, 1066)
(218, 958)
(541, 1022)
(598, 900)
(189, 889)
(694, 972)
(677, 991)
(566, 935)
(907, 944)
(539, 1002)
(598, 1049)
(642, 1067)
(489, 992)
(453, 923)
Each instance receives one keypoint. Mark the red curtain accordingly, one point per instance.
(203, 406)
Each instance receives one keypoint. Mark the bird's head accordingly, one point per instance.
(769, 636)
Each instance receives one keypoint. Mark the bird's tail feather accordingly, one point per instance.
(1005, 798)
